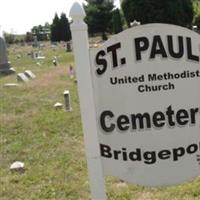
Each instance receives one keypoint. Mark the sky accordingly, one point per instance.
(19, 16)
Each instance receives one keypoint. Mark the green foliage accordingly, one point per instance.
(178, 12)
(117, 21)
(196, 20)
(60, 30)
(13, 38)
(99, 16)
(128, 9)
(10, 38)
(55, 29)
(65, 33)
(41, 32)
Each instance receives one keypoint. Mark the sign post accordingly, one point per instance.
(140, 104)
(82, 62)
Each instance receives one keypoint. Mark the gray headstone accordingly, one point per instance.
(69, 46)
(29, 74)
(35, 41)
(21, 77)
(67, 100)
(5, 67)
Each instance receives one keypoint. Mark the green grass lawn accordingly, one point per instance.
(50, 142)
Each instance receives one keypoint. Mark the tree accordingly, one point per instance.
(9, 38)
(196, 20)
(178, 12)
(55, 29)
(117, 21)
(41, 32)
(65, 33)
(128, 10)
(60, 30)
(99, 16)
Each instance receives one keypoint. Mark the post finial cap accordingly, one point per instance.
(77, 11)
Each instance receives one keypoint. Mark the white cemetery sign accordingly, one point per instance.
(147, 99)
(146, 111)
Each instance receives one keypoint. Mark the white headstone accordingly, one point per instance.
(58, 105)
(11, 85)
(21, 77)
(17, 165)
(29, 74)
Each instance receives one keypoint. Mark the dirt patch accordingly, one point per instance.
(146, 196)
(50, 78)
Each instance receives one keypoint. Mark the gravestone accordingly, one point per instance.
(35, 41)
(69, 46)
(11, 85)
(67, 100)
(5, 67)
(29, 74)
(55, 61)
(58, 105)
(17, 166)
(37, 55)
(21, 77)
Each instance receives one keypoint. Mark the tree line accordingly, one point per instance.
(58, 31)
(103, 18)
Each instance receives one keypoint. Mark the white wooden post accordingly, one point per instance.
(82, 63)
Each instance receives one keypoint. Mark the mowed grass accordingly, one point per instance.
(50, 142)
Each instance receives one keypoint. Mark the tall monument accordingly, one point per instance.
(5, 67)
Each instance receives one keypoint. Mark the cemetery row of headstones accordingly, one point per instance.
(22, 77)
